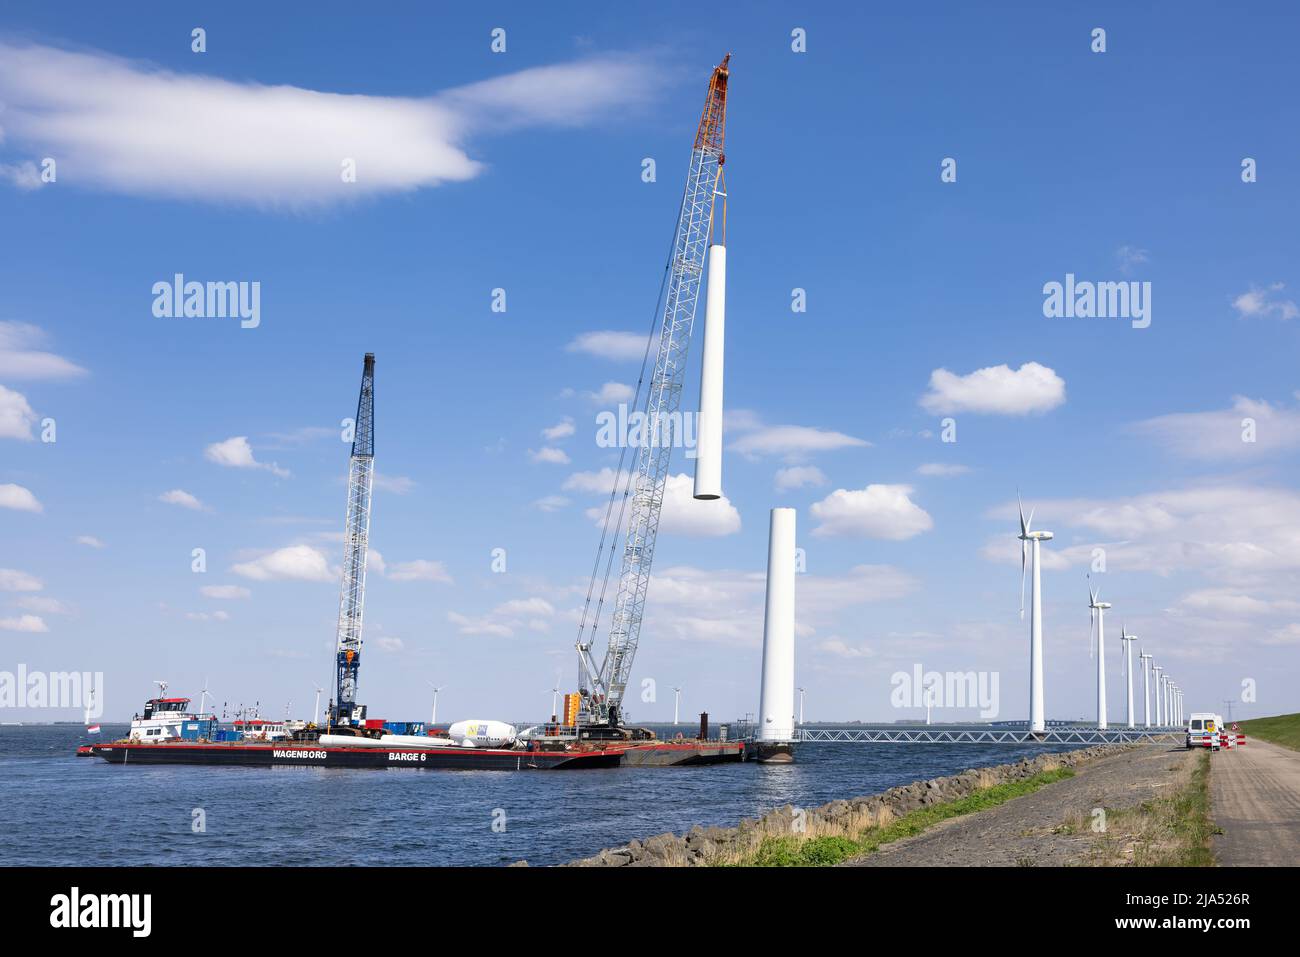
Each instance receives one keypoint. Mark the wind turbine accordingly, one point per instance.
(315, 715)
(677, 700)
(1126, 667)
(1097, 615)
(1036, 721)
(1146, 686)
(1160, 715)
(801, 691)
(203, 699)
(433, 717)
(555, 698)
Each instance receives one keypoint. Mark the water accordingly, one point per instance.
(64, 810)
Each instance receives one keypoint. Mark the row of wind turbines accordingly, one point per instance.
(1168, 695)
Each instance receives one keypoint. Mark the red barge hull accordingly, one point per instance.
(305, 755)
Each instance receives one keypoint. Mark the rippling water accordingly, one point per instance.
(60, 809)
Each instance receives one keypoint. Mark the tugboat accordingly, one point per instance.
(163, 718)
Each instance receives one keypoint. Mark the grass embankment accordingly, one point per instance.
(865, 836)
(1171, 831)
(1283, 729)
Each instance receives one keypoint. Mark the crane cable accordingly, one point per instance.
(655, 323)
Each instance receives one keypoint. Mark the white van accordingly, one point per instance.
(1203, 730)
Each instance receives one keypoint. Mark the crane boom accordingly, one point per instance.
(352, 596)
(646, 483)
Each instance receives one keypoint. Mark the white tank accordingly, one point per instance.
(482, 734)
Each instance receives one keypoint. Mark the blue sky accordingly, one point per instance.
(522, 171)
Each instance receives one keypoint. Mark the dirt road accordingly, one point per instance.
(1052, 826)
(1255, 796)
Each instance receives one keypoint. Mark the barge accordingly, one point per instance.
(308, 754)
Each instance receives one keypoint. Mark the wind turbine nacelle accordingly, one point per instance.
(482, 734)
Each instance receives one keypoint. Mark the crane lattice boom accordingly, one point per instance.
(662, 407)
(352, 596)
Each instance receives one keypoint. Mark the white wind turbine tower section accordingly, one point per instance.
(1155, 670)
(776, 704)
(1146, 686)
(677, 703)
(433, 715)
(708, 441)
(1098, 616)
(1029, 549)
(1126, 666)
(801, 693)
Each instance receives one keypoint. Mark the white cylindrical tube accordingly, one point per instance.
(776, 704)
(708, 443)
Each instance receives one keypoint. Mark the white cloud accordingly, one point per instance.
(799, 476)
(21, 355)
(506, 618)
(1289, 635)
(684, 514)
(561, 430)
(19, 498)
(596, 483)
(132, 128)
(1232, 604)
(1221, 434)
(294, 563)
(236, 453)
(612, 393)
(44, 606)
(608, 344)
(1265, 302)
(793, 441)
(1130, 256)
(28, 623)
(391, 645)
(89, 540)
(478, 626)
(549, 455)
(375, 561)
(1230, 530)
(420, 570)
(182, 498)
(397, 484)
(13, 580)
(841, 649)
(996, 390)
(16, 416)
(225, 592)
(208, 615)
(940, 470)
(726, 607)
(877, 511)
(550, 503)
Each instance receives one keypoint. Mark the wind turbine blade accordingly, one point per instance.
(1024, 529)
(1092, 627)
(1029, 523)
